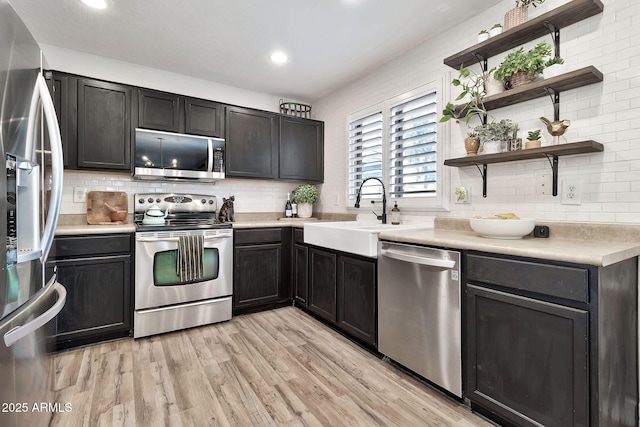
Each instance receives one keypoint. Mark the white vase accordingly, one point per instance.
(493, 86)
(305, 210)
(482, 37)
(491, 147)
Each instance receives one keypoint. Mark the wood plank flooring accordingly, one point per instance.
(275, 368)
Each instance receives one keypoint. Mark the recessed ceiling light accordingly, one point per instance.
(279, 57)
(98, 4)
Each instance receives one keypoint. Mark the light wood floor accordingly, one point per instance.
(275, 368)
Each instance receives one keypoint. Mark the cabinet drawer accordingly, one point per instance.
(571, 283)
(298, 235)
(84, 246)
(257, 235)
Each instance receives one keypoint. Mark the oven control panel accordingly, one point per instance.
(176, 203)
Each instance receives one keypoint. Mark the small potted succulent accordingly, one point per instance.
(553, 67)
(533, 139)
(305, 196)
(495, 136)
(483, 35)
(520, 67)
(495, 30)
(472, 143)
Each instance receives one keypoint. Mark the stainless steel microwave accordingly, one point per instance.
(163, 156)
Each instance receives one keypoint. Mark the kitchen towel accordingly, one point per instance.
(190, 259)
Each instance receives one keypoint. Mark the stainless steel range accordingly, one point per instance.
(184, 263)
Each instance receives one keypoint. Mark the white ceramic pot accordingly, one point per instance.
(491, 147)
(495, 31)
(493, 86)
(554, 70)
(482, 37)
(305, 210)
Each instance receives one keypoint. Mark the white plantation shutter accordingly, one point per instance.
(365, 153)
(412, 148)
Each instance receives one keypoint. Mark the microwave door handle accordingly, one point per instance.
(41, 93)
(210, 155)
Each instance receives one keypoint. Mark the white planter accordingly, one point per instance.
(482, 37)
(305, 210)
(495, 31)
(493, 86)
(491, 147)
(554, 70)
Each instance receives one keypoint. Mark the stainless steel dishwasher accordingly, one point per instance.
(419, 314)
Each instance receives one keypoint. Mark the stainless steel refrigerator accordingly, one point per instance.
(30, 195)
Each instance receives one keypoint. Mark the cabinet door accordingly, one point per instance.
(322, 283)
(158, 110)
(527, 359)
(301, 149)
(104, 125)
(204, 117)
(98, 305)
(251, 143)
(257, 274)
(301, 272)
(59, 88)
(357, 297)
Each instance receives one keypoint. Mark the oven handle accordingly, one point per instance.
(175, 239)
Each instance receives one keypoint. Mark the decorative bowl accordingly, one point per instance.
(117, 216)
(510, 229)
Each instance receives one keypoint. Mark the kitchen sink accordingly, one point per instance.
(351, 236)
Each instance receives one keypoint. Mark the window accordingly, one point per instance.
(412, 148)
(397, 142)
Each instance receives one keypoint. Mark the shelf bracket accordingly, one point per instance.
(482, 61)
(553, 161)
(555, 99)
(483, 173)
(555, 36)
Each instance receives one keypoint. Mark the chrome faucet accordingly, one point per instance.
(382, 217)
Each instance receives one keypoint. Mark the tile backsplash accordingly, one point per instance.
(250, 195)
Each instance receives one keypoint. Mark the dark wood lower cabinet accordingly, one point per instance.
(322, 283)
(301, 273)
(356, 313)
(262, 269)
(530, 356)
(96, 272)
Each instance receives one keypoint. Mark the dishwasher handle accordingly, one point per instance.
(431, 262)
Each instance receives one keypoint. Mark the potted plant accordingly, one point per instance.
(472, 86)
(553, 67)
(494, 136)
(495, 30)
(520, 13)
(533, 139)
(492, 84)
(520, 67)
(483, 35)
(472, 143)
(305, 195)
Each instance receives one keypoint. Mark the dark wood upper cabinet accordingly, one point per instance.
(58, 85)
(251, 143)
(103, 125)
(158, 110)
(175, 113)
(301, 149)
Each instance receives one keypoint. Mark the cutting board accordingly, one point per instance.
(98, 213)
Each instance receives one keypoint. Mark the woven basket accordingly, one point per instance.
(516, 16)
(520, 78)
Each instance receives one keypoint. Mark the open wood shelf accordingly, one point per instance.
(560, 17)
(581, 147)
(567, 81)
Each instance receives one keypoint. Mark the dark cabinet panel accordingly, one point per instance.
(257, 274)
(96, 272)
(530, 356)
(300, 272)
(301, 149)
(251, 143)
(262, 269)
(59, 88)
(158, 110)
(103, 125)
(356, 299)
(204, 117)
(322, 283)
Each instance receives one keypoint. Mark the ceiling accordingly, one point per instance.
(329, 42)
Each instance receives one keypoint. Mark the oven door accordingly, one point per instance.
(157, 283)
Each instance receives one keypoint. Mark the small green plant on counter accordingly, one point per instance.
(306, 193)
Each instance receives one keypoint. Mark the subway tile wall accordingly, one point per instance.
(606, 112)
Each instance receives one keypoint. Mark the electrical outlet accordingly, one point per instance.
(571, 192)
(544, 183)
(79, 194)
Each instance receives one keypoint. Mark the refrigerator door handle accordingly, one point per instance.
(41, 93)
(20, 332)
